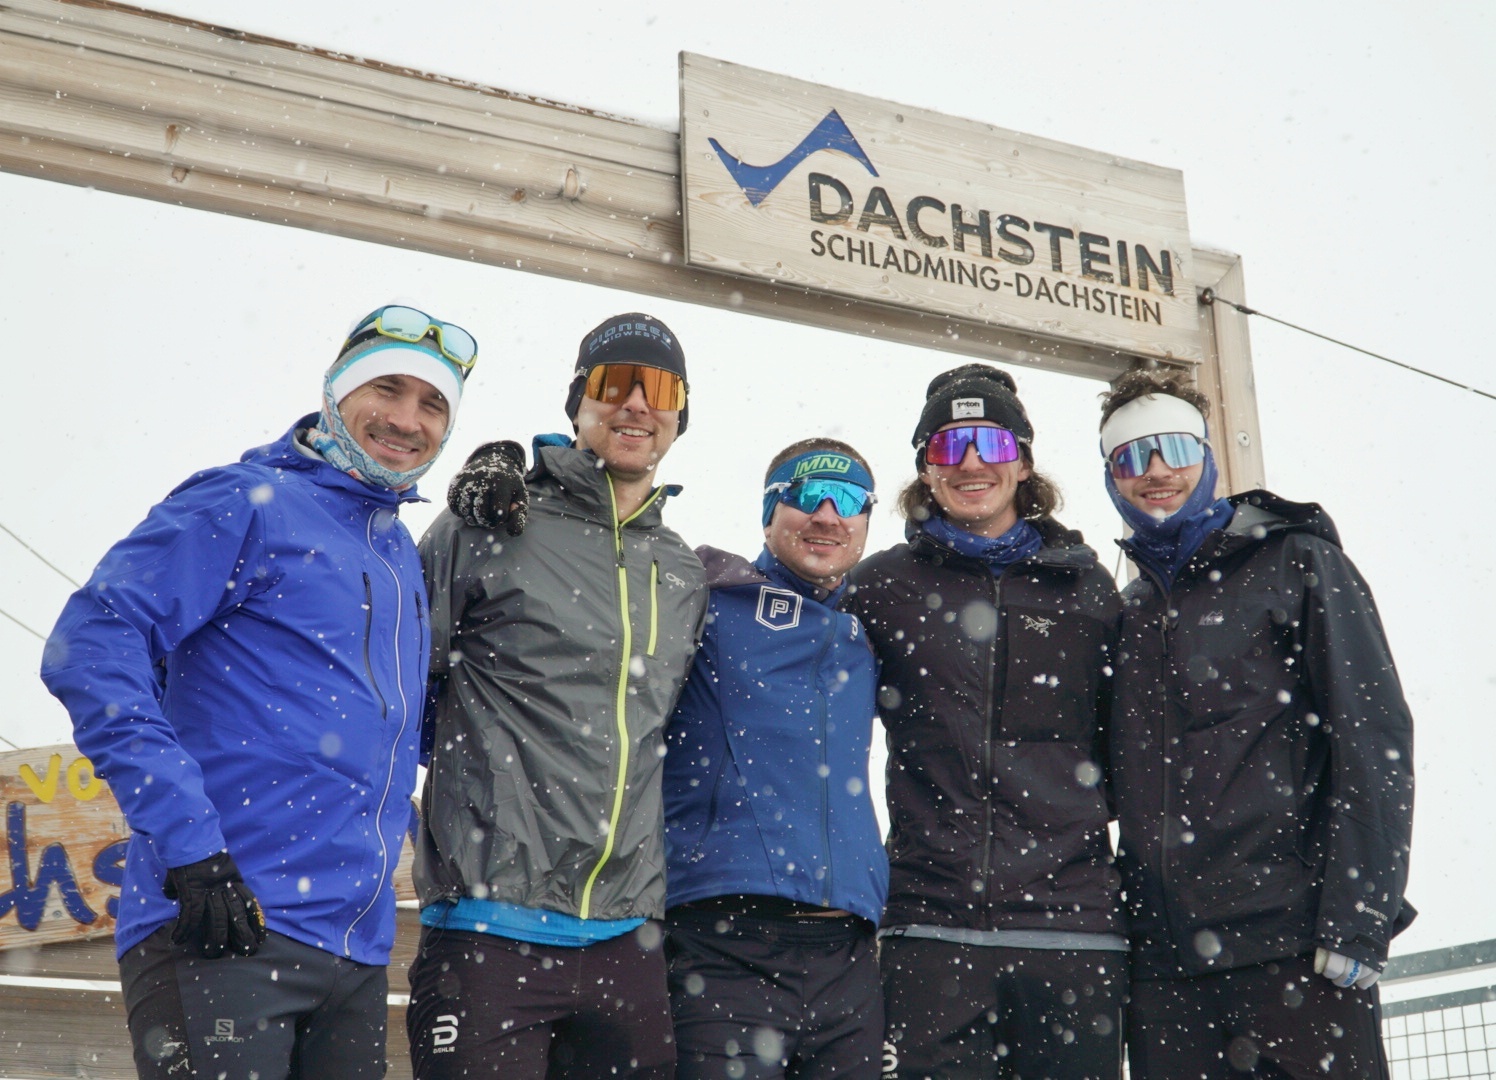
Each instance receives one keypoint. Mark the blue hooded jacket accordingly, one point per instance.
(247, 669)
(766, 773)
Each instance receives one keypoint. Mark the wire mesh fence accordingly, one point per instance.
(1445, 1037)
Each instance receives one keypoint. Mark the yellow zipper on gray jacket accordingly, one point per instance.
(621, 704)
(654, 606)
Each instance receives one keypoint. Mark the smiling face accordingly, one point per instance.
(398, 420)
(977, 495)
(819, 547)
(1161, 490)
(630, 437)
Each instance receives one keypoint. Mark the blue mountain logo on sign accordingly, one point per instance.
(757, 181)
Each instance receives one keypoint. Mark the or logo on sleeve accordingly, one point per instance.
(778, 609)
(968, 407)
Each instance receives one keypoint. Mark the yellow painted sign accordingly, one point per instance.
(64, 848)
(65, 842)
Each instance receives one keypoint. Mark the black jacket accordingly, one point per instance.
(1261, 753)
(994, 697)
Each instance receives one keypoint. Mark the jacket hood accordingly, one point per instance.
(1262, 509)
(1064, 549)
(284, 453)
(581, 474)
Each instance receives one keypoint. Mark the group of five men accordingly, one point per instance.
(647, 844)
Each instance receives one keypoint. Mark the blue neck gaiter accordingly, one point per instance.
(999, 552)
(1164, 546)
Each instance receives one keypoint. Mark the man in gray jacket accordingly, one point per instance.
(557, 656)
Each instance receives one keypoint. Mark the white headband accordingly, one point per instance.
(1152, 414)
(398, 358)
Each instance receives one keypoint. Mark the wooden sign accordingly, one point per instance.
(833, 191)
(65, 849)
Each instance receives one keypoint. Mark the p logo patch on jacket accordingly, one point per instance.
(778, 609)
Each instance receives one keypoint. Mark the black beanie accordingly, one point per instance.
(633, 338)
(972, 392)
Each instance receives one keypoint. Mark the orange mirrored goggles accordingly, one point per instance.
(613, 383)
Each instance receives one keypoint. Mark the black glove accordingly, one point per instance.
(489, 489)
(219, 912)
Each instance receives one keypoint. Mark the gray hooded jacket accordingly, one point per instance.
(557, 657)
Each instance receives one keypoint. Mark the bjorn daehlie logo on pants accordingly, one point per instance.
(757, 181)
(444, 1034)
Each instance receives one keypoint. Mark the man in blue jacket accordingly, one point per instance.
(775, 869)
(247, 669)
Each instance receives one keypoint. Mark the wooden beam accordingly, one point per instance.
(131, 101)
(1226, 375)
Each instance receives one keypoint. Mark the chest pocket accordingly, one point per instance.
(1053, 673)
(1235, 655)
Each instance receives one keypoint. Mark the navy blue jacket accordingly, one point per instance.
(1262, 753)
(247, 669)
(766, 775)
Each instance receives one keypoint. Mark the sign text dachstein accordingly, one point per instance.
(833, 191)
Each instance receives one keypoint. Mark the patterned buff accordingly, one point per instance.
(366, 361)
(816, 464)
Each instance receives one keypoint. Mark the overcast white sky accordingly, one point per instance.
(1345, 150)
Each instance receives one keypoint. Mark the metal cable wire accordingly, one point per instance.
(39, 555)
(1210, 296)
(23, 626)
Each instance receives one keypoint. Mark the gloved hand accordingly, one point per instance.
(219, 912)
(489, 490)
(1343, 971)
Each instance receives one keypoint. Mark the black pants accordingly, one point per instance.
(289, 1011)
(1277, 1020)
(483, 1005)
(774, 997)
(963, 1012)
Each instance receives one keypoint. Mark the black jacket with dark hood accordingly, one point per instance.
(994, 695)
(1261, 753)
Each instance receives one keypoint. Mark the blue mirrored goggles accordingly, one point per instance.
(806, 496)
(1178, 450)
(411, 325)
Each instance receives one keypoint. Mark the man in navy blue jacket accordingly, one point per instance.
(247, 670)
(776, 873)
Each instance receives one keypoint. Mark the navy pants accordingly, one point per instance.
(1276, 1020)
(484, 1005)
(774, 997)
(289, 1011)
(977, 1012)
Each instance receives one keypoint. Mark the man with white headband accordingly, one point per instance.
(247, 670)
(1261, 755)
